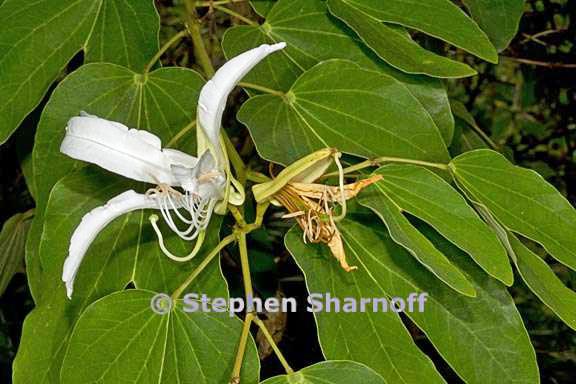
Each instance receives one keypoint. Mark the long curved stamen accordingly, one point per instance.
(153, 220)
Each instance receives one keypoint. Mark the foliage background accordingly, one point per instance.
(526, 104)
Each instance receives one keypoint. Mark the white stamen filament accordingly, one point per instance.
(153, 220)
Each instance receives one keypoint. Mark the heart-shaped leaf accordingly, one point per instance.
(317, 113)
(41, 38)
(314, 36)
(120, 339)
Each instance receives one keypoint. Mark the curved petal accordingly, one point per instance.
(131, 153)
(213, 96)
(93, 223)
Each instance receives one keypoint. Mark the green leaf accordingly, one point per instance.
(41, 37)
(395, 46)
(330, 372)
(427, 196)
(262, 7)
(163, 102)
(404, 233)
(125, 252)
(314, 36)
(483, 338)
(12, 241)
(316, 113)
(438, 18)
(378, 340)
(499, 19)
(120, 339)
(540, 278)
(520, 199)
(125, 33)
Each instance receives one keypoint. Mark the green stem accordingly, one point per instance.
(242, 245)
(241, 348)
(236, 15)
(213, 254)
(378, 161)
(181, 134)
(273, 344)
(200, 52)
(261, 88)
(164, 48)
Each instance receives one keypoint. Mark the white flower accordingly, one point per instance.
(202, 182)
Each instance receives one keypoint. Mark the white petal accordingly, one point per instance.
(93, 223)
(214, 94)
(129, 152)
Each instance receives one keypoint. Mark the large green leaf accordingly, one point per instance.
(483, 338)
(499, 19)
(330, 372)
(40, 38)
(163, 102)
(317, 113)
(544, 283)
(120, 339)
(378, 340)
(395, 46)
(405, 234)
(12, 241)
(126, 251)
(427, 196)
(313, 36)
(438, 18)
(520, 199)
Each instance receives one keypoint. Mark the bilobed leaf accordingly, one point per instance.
(39, 38)
(520, 199)
(427, 196)
(314, 36)
(121, 339)
(317, 113)
(499, 19)
(330, 372)
(12, 241)
(438, 18)
(540, 278)
(404, 233)
(395, 46)
(378, 340)
(482, 338)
